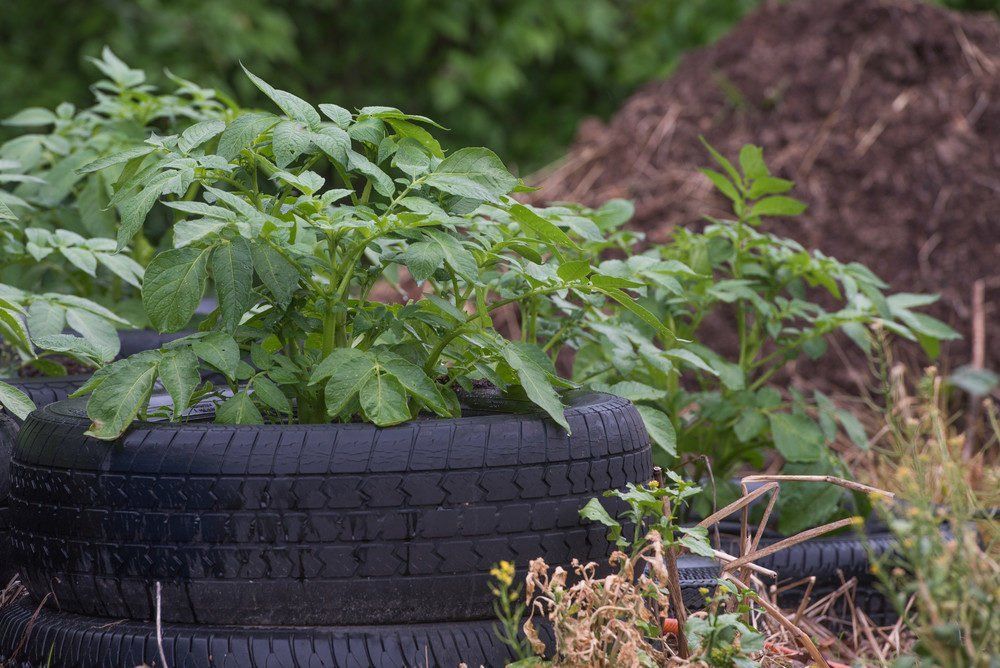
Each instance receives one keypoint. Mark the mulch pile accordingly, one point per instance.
(886, 113)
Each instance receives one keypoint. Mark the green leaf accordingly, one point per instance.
(379, 179)
(926, 325)
(15, 401)
(74, 346)
(232, 271)
(613, 214)
(220, 350)
(695, 539)
(116, 158)
(238, 409)
(294, 106)
(124, 390)
(179, 375)
(476, 173)
(173, 286)
(777, 206)
(723, 185)
(411, 159)
(606, 281)
(635, 391)
(348, 373)
(31, 117)
(639, 311)
(416, 382)
(95, 329)
(977, 382)
(660, 428)
(535, 382)
(241, 133)
(81, 258)
(383, 399)
(411, 133)
(796, 437)
(267, 391)
(853, 428)
(135, 207)
(277, 274)
(124, 267)
(804, 505)
(329, 364)
(721, 160)
(45, 318)
(198, 134)
(186, 232)
(458, 257)
(12, 328)
(573, 270)
(749, 425)
(769, 185)
(337, 114)
(334, 142)
(540, 227)
(595, 512)
(6, 213)
(289, 140)
(422, 259)
(752, 162)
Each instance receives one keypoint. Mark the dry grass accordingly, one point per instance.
(607, 620)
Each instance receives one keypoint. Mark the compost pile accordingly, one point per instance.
(885, 112)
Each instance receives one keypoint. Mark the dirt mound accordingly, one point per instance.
(885, 112)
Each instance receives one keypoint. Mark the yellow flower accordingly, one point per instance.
(503, 572)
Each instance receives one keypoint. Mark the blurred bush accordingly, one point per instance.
(516, 75)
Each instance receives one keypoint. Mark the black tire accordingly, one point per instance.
(136, 340)
(73, 641)
(824, 557)
(867, 597)
(341, 524)
(42, 391)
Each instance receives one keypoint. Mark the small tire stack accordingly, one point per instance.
(301, 545)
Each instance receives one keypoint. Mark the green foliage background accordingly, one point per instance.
(514, 75)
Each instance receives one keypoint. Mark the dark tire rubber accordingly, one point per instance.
(867, 598)
(824, 557)
(74, 641)
(42, 391)
(136, 340)
(310, 524)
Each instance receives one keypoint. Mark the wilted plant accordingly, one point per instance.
(294, 253)
(635, 615)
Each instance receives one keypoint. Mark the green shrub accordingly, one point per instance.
(706, 409)
(516, 76)
(61, 267)
(60, 219)
(295, 218)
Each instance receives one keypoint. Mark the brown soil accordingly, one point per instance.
(885, 112)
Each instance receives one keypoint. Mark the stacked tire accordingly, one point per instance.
(301, 545)
(42, 391)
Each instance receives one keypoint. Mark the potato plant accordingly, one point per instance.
(731, 411)
(61, 268)
(294, 218)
